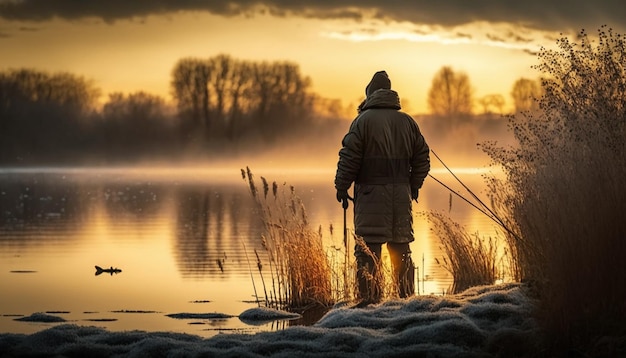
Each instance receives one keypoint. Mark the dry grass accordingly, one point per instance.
(303, 272)
(565, 195)
(299, 268)
(383, 285)
(343, 268)
(345, 271)
(471, 260)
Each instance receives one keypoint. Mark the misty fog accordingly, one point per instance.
(224, 111)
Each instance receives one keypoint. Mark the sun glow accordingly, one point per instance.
(480, 34)
(339, 55)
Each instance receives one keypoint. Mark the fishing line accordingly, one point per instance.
(489, 213)
(464, 198)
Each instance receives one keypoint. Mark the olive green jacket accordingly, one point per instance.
(385, 155)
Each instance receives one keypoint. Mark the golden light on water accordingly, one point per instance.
(166, 228)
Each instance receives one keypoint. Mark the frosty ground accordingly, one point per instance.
(487, 321)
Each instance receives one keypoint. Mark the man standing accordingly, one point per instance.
(386, 157)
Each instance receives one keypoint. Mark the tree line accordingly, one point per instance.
(222, 97)
(219, 102)
(222, 105)
(451, 95)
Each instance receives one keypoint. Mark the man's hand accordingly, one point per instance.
(415, 193)
(342, 195)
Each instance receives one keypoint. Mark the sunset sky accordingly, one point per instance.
(129, 46)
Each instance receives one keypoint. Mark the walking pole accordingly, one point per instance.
(344, 204)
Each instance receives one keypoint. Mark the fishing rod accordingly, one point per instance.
(487, 211)
(464, 198)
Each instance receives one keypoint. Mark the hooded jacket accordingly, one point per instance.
(385, 155)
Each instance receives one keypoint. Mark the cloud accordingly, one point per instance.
(555, 15)
(498, 35)
(28, 29)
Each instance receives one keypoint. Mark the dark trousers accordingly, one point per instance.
(369, 277)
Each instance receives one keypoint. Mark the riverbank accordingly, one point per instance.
(488, 321)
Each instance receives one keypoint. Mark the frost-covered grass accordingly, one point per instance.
(486, 321)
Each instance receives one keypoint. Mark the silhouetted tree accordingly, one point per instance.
(222, 69)
(492, 101)
(189, 87)
(240, 91)
(283, 99)
(138, 106)
(234, 98)
(136, 125)
(41, 114)
(526, 94)
(450, 94)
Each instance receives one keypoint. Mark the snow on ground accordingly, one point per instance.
(488, 321)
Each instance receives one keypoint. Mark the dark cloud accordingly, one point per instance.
(553, 15)
(531, 52)
(495, 38)
(517, 37)
(28, 29)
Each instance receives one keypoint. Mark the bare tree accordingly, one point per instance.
(137, 124)
(492, 102)
(450, 94)
(526, 94)
(186, 89)
(224, 97)
(138, 106)
(222, 67)
(41, 114)
(283, 100)
(240, 99)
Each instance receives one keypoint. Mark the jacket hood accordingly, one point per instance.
(382, 98)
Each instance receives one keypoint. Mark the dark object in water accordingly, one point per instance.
(40, 317)
(100, 270)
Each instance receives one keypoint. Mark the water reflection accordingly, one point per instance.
(176, 240)
(36, 199)
(139, 200)
(211, 225)
(210, 221)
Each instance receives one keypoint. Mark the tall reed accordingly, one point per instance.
(472, 260)
(343, 268)
(299, 268)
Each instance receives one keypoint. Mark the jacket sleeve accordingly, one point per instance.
(420, 161)
(350, 156)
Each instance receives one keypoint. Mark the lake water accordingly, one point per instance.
(167, 229)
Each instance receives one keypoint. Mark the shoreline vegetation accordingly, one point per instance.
(563, 196)
(299, 271)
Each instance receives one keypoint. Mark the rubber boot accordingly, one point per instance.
(369, 290)
(403, 268)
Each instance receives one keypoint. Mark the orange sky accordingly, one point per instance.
(129, 51)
